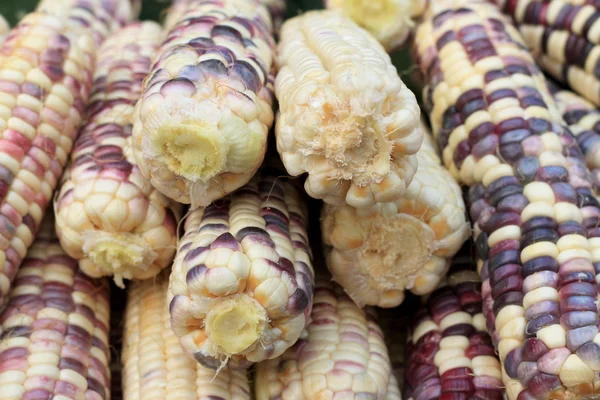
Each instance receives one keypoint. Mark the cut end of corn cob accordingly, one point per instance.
(108, 216)
(341, 354)
(449, 353)
(389, 21)
(402, 245)
(154, 364)
(201, 126)
(241, 284)
(345, 117)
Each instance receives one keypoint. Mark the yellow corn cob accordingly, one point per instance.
(389, 21)
(200, 128)
(54, 329)
(341, 354)
(583, 119)
(108, 216)
(4, 29)
(45, 77)
(241, 285)
(449, 353)
(377, 253)
(563, 37)
(536, 219)
(155, 366)
(345, 116)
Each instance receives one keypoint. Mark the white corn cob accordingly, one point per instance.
(345, 116)
(200, 128)
(341, 354)
(45, 77)
(391, 22)
(108, 216)
(54, 329)
(377, 253)
(241, 284)
(4, 29)
(155, 366)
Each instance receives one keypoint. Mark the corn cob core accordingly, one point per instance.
(108, 216)
(449, 353)
(563, 37)
(583, 119)
(402, 245)
(345, 116)
(535, 214)
(341, 354)
(154, 365)
(201, 126)
(241, 284)
(389, 21)
(54, 331)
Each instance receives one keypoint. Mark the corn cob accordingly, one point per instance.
(583, 120)
(255, 246)
(155, 367)
(108, 216)
(4, 29)
(54, 329)
(45, 78)
(377, 253)
(200, 128)
(342, 355)
(531, 200)
(391, 22)
(345, 116)
(562, 35)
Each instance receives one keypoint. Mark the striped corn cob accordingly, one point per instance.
(200, 128)
(108, 216)
(394, 327)
(341, 355)
(54, 329)
(155, 367)
(45, 78)
(345, 116)
(450, 356)
(583, 119)
(241, 285)
(531, 200)
(563, 37)
(389, 21)
(4, 29)
(377, 253)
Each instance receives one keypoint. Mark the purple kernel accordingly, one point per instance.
(564, 192)
(504, 192)
(500, 94)
(526, 169)
(538, 235)
(539, 223)
(515, 203)
(577, 337)
(578, 303)
(526, 371)
(540, 322)
(533, 349)
(195, 274)
(502, 272)
(510, 284)
(481, 131)
(544, 263)
(501, 219)
(511, 153)
(571, 228)
(507, 299)
(578, 289)
(459, 329)
(551, 174)
(226, 241)
(513, 359)
(578, 319)
(590, 354)
(511, 125)
(503, 258)
(542, 278)
(485, 146)
(545, 307)
(542, 384)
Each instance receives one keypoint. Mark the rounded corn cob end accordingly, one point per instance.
(241, 284)
(201, 126)
(351, 124)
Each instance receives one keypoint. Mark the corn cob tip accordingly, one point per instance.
(115, 254)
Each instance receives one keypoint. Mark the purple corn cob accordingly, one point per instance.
(531, 200)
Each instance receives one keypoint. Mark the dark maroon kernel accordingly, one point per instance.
(298, 302)
(542, 384)
(506, 191)
(459, 329)
(533, 349)
(538, 235)
(564, 192)
(499, 220)
(481, 131)
(505, 245)
(578, 319)
(503, 272)
(446, 38)
(507, 299)
(539, 223)
(544, 263)
(71, 363)
(506, 257)
(526, 169)
(15, 331)
(512, 362)
(472, 107)
(577, 337)
(500, 94)
(511, 125)
(577, 276)
(467, 97)
(540, 322)
(97, 387)
(461, 152)
(586, 199)
(509, 284)
(526, 395)
(457, 385)
(495, 74)
(545, 307)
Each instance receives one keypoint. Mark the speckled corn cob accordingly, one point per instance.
(108, 216)
(342, 355)
(583, 119)
(564, 37)
(4, 29)
(155, 366)
(389, 21)
(450, 356)
(54, 330)
(241, 285)
(200, 128)
(531, 200)
(345, 116)
(377, 253)
(45, 77)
